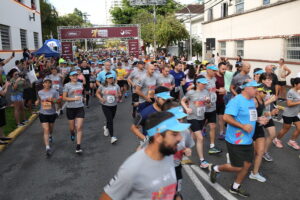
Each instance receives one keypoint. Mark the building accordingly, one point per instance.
(192, 16)
(110, 4)
(20, 27)
(261, 31)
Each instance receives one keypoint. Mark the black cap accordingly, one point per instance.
(141, 62)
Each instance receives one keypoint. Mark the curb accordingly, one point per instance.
(15, 133)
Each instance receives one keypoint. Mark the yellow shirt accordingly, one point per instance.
(121, 73)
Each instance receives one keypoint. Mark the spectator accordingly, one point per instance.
(3, 91)
(282, 72)
(2, 63)
(240, 78)
(212, 59)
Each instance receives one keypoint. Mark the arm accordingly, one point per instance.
(8, 59)
(65, 98)
(290, 103)
(232, 89)
(184, 105)
(99, 96)
(287, 70)
(136, 131)
(140, 93)
(230, 120)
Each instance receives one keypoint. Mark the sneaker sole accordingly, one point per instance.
(253, 178)
(216, 152)
(113, 142)
(268, 160)
(234, 192)
(277, 146)
(292, 147)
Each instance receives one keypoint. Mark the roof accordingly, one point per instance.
(194, 8)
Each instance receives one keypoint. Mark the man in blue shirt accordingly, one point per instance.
(241, 117)
(178, 76)
(101, 76)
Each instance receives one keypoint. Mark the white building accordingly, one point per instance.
(110, 4)
(261, 31)
(20, 27)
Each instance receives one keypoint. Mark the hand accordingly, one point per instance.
(102, 100)
(222, 91)
(247, 128)
(7, 84)
(148, 99)
(263, 120)
(77, 98)
(188, 152)
(183, 82)
(50, 99)
(273, 98)
(275, 111)
(189, 110)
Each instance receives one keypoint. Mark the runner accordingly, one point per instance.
(3, 91)
(178, 75)
(282, 72)
(156, 160)
(291, 116)
(47, 98)
(241, 117)
(195, 102)
(165, 79)
(94, 71)
(121, 74)
(86, 71)
(240, 78)
(108, 94)
(72, 94)
(133, 79)
(128, 69)
(101, 76)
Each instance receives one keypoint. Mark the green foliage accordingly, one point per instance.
(197, 47)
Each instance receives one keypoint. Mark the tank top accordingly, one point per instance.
(260, 108)
(280, 73)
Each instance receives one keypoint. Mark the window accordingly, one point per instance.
(240, 47)
(223, 48)
(36, 40)
(224, 10)
(210, 14)
(239, 6)
(5, 37)
(293, 48)
(23, 36)
(266, 2)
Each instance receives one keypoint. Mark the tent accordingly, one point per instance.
(46, 51)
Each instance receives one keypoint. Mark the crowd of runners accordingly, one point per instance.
(176, 105)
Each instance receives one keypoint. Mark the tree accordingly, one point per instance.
(49, 19)
(197, 47)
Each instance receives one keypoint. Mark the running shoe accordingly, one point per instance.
(48, 152)
(3, 143)
(73, 136)
(221, 136)
(106, 131)
(25, 121)
(214, 150)
(204, 164)
(257, 177)
(78, 150)
(20, 125)
(239, 192)
(50, 139)
(268, 157)
(293, 144)
(277, 143)
(5, 138)
(212, 173)
(113, 140)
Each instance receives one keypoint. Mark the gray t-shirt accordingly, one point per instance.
(211, 87)
(110, 94)
(148, 85)
(292, 111)
(56, 82)
(197, 103)
(238, 80)
(166, 81)
(136, 76)
(141, 178)
(47, 107)
(74, 90)
(187, 141)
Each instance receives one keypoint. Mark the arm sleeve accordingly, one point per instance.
(65, 88)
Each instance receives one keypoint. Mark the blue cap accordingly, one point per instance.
(202, 80)
(100, 63)
(171, 124)
(164, 95)
(109, 76)
(178, 112)
(73, 73)
(212, 67)
(259, 72)
(250, 84)
(77, 68)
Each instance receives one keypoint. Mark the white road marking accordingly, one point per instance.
(200, 187)
(216, 186)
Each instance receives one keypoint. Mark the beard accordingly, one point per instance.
(167, 150)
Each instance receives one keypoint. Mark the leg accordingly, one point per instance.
(212, 132)
(284, 130)
(46, 129)
(272, 134)
(72, 126)
(16, 111)
(22, 110)
(229, 168)
(109, 119)
(243, 173)
(259, 147)
(199, 144)
(221, 123)
(79, 129)
(296, 132)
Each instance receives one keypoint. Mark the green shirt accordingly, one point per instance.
(227, 79)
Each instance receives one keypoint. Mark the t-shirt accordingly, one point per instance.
(74, 90)
(166, 81)
(178, 76)
(86, 71)
(211, 87)
(136, 76)
(227, 80)
(238, 80)
(156, 180)
(121, 73)
(197, 103)
(56, 82)
(101, 75)
(65, 70)
(110, 94)
(47, 107)
(292, 111)
(243, 111)
(148, 85)
(187, 141)
(141, 117)
(220, 84)
(128, 70)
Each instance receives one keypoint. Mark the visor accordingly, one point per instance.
(47, 79)
(202, 80)
(164, 95)
(250, 84)
(178, 112)
(212, 67)
(109, 76)
(259, 72)
(73, 73)
(171, 124)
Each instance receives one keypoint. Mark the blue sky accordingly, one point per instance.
(95, 8)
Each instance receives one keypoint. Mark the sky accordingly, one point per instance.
(95, 8)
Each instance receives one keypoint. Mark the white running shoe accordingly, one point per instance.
(113, 140)
(106, 131)
(257, 177)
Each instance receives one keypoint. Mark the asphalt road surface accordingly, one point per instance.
(26, 173)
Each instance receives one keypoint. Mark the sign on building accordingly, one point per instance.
(147, 2)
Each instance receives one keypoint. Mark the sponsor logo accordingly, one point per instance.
(125, 32)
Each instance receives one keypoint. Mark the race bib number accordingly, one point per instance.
(253, 115)
(85, 72)
(200, 111)
(46, 105)
(56, 87)
(213, 97)
(110, 99)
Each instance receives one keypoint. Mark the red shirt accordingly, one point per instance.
(220, 84)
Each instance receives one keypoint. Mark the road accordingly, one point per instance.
(26, 173)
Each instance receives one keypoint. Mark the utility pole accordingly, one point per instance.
(154, 32)
(191, 47)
